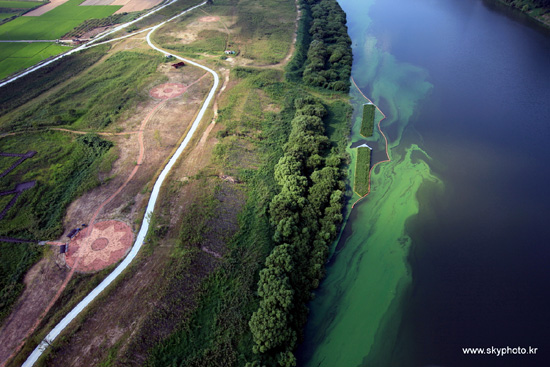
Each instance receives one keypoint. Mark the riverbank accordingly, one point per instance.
(536, 11)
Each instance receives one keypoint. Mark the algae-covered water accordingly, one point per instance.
(450, 249)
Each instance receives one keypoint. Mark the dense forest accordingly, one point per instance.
(306, 214)
(323, 54)
(536, 3)
(535, 8)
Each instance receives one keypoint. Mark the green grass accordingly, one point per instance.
(25, 88)
(19, 4)
(362, 167)
(18, 56)
(367, 124)
(95, 100)
(6, 15)
(55, 23)
(263, 30)
(64, 167)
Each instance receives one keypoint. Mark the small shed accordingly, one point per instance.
(63, 249)
(73, 233)
(178, 65)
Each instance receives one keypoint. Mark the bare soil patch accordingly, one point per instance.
(209, 19)
(43, 279)
(135, 5)
(167, 91)
(45, 8)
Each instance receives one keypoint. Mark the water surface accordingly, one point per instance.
(450, 250)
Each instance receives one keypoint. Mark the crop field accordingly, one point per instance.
(55, 23)
(20, 4)
(17, 56)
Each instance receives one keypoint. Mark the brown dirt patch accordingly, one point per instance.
(135, 5)
(45, 8)
(41, 283)
(209, 19)
(107, 243)
(168, 91)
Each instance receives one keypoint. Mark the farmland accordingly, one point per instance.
(12, 9)
(17, 56)
(55, 23)
(49, 26)
(20, 4)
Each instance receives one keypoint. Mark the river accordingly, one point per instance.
(451, 248)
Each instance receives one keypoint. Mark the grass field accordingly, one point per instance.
(94, 101)
(362, 167)
(261, 31)
(367, 124)
(29, 86)
(55, 23)
(20, 4)
(18, 56)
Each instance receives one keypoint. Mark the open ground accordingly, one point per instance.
(161, 134)
(117, 325)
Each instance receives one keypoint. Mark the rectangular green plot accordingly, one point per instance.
(367, 124)
(362, 168)
(8, 49)
(55, 23)
(19, 4)
(33, 53)
(30, 50)
(7, 15)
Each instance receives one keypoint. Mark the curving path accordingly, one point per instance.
(54, 333)
(385, 138)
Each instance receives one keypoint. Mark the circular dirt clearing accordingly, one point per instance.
(167, 91)
(107, 243)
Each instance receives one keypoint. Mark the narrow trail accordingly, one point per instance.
(225, 26)
(385, 139)
(52, 335)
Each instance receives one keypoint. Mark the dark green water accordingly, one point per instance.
(452, 247)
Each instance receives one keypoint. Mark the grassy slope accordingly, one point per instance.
(28, 87)
(260, 33)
